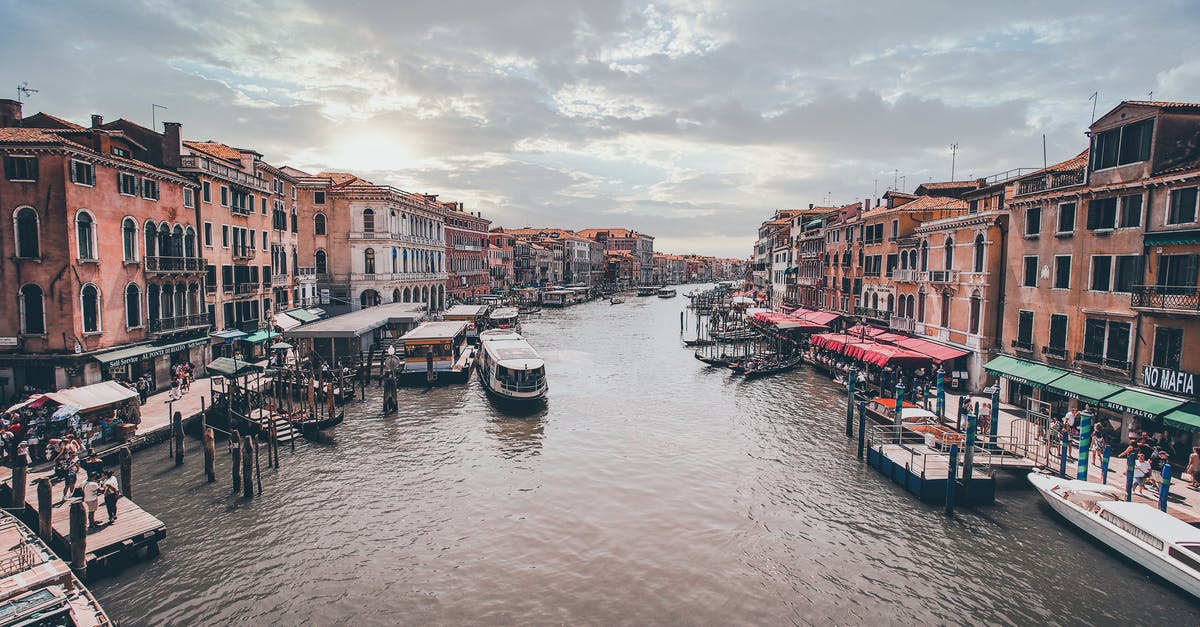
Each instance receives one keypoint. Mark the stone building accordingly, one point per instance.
(639, 245)
(466, 252)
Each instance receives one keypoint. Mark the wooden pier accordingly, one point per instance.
(924, 472)
(135, 527)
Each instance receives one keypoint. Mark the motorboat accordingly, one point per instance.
(616, 300)
(666, 292)
(509, 368)
(1155, 540)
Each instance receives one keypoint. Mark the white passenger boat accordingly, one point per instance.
(437, 351)
(1163, 544)
(509, 367)
(666, 292)
(505, 318)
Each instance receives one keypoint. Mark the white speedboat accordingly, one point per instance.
(1161, 543)
(509, 367)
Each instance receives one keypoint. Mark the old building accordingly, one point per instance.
(100, 267)
(500, 260)
(466, 252)
(640, 245)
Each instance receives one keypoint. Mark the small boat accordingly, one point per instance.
(505, 318)
(509, 368)
(699, 342)
(717, 362)
(38, 588)
(305, 420)
(763, 369)
(666, 292)
(437, 352)
(647, 291)
(615, 300)
(1155, 540)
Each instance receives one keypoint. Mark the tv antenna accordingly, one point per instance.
(1095, 97)
(154, 120)
(953, 156)
(24, 90)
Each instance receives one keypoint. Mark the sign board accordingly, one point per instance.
(8, 341)
(1167, 380)
(325, 296)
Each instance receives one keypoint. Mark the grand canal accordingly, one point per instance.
(649, 489)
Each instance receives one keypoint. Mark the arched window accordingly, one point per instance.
(396, 298)
(912, 259)
(150, 233)
(319, 224)
(924, 255)
(177, 241)
(976, 301)
(189, 242)
(26, 225)
(85, 235)
(891, 305)
(89, 304)
(153, 303)
(874, 301)
(369, 261)
(133, 306)
(319, 262)
(945, 309)
(368, 221)
(903, 261)
(33, 316)
(921, 306)
(369, 298)
(129, 240)
(949, 254)
(979, 253)
(407, 295)
(164, 240)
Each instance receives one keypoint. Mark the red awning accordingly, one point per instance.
(861, 331)
(820, 317)
(786, 322)
(938, 352)
(830, 341)
(800, 311)
(886, 355)
(890, 338)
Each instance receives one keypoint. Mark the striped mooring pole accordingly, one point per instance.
(1085, 443)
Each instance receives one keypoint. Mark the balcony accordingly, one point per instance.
(245, 288)
(1101, 361)
(875, 314)
(1055, 352)
(1020, 346)
(178, 324)
(1166, 298)
(905, 275)
(243, 254)
(366, 235)
(305, 271)
(174, 265)
(468, 248)
(905, 325)
(1050, 181)
(942, 276)
(198, 163)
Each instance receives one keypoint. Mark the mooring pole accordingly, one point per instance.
(952, 479)
(851, 376)
(862, 428)
(210, 455)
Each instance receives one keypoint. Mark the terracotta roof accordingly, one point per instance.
(39, 116)
(1163, 104)
(591, 233)
(924, 203)
(341, 179)
(216, 149)
(28, 136)
(1074, 163)
(37, 136)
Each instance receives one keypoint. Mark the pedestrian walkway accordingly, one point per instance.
(1184, 503)
(156, 413)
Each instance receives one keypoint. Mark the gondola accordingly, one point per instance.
(304, 420)
(772, 367)
(718, 362)
(699, 342)
(615, 301)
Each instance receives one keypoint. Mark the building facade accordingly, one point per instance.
(466, 253)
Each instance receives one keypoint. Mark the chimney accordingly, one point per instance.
(97, 120)
(172, 145)
(10, 113)
(810, 205)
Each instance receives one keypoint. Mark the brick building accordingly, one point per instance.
(466, 253)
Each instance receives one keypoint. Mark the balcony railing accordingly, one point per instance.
(905, 275)
(243, 254)
(906, 325)
(874, 314)
(175, 265)
(241, 289)
(374, 235)
(179, 323)
(1023, 346)
(1101, 360)
(1052, 180)
(304, 271)
(1175, 298)
(204, 164)
(942, 276)
(1059, 352)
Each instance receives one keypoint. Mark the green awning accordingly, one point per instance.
(1186, 417)
(1168, 238)
(1090, 390)
(231, 367)
(1141, 404)
(1022, 371)
(260, 336)
(303, 315)
(131, 354)
(814, 223)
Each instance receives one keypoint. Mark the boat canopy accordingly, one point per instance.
(785, 322)
(504, 313)
(465, 312)
(361, 322)
(1161, 525)
(432, 331)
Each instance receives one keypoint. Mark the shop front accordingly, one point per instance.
(151, 360)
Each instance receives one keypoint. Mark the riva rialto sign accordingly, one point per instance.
(1168, 380)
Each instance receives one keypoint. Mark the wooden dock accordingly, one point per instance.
(924, 472)
(135, 527)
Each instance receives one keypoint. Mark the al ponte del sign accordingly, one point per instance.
(1167, 380)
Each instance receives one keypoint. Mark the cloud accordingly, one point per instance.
(688, 119)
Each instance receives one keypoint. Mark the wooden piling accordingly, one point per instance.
(126, 472)
(272, 432)
(210, 455)
(237, 461)
(171, 440)
(78, 539)
(177, 433)
(257, 467)
(203, 416)
(19, 482)
(45, 510)
(247, 466)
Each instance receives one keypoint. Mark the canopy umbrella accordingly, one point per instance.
(65, 412)
(281, 346)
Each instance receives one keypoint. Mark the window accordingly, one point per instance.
(1033, 221)
(921, 307)
(206, 191)
(979, 254)
(369, 261)
(1122, 146)
(1062, 272)
(33, 319)
(295, 222)
(1177, 270)
(946, 309)
(1101, 273)
(149, 189)
(85, 234)
(319, 224)
(1057, 344)
(224, 196)
(1031, 271)
(26, 227)
(263, 202)
(1102, 213)
(949, 261)
(264, 240)
(924, 255)
(976, 306)
(1131, 211)
(1024, 330)
(1128, 273)
(318, 198)
(1168, 346)
(225, 236)
(1106, 342)
(895, 229)
(21, 168)
(82, 173)
(208, 234)
(89, 305)
(1066, 218)
(1183, 206)
(368, 221)
(320, 262)
(129, 239)
(189, 198)
(127, 184)
(133, 306)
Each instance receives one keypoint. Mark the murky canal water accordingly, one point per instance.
(649, 490)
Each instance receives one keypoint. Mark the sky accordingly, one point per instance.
(689, 120)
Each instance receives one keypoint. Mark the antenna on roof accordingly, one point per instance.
(953, 156)
(154, 120)
(1150, 96)
(1044, 160)
(1095, 97)
(24, 90)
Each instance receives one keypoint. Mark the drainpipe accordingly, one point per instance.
(998, 333)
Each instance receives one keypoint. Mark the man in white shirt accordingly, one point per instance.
(91, 499)
(111, 492)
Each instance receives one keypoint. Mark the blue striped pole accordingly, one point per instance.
(952, 479)
(969, 455)
(1129, 478)
(862, 427)
(851, 378)
(1165, 489)
(1085, 443)
(941, 393)
(1104, 463)
(898, 416)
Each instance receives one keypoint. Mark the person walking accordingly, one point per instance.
(174, 396)
(142, 388)
(91, 500)
(71, 477)
(1141, 471)
(1193, 467)
(112, 492)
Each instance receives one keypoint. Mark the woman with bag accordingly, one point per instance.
(1193, 467)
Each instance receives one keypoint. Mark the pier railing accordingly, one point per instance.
(923, 458)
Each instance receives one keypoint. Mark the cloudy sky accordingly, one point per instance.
(691, 120)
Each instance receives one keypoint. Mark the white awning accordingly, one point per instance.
(93, 397)
(286, 322)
